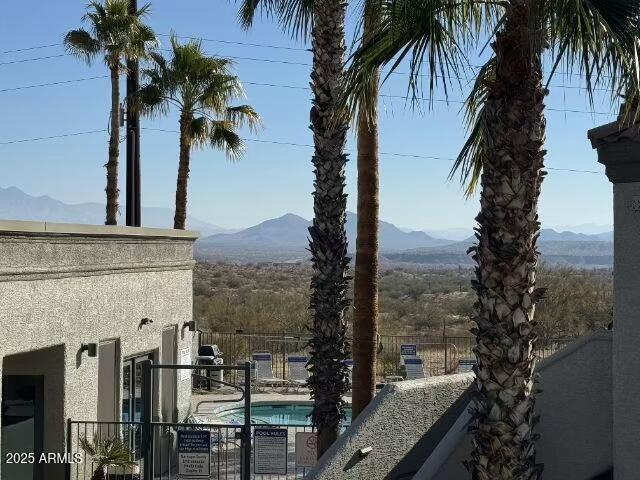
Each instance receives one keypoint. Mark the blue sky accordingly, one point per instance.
(271, 179)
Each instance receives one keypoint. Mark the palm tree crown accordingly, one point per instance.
(202, 89)
(114, 31)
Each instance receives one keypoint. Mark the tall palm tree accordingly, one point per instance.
(365, 281)
(505, 154)
(328, 240)
(201, 88)
(118, 35)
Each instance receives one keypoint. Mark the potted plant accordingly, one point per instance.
(108, 453)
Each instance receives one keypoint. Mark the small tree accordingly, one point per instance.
(119, 35)
(104, 453)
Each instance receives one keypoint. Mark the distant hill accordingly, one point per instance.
(18, 205)
(580, 253)
(291, 232)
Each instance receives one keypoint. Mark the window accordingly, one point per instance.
(132, 398)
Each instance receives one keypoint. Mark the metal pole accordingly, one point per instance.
(147, 432)
(133, 139)
(246, 452)
(67, 467)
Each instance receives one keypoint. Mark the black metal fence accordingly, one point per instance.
(440, 354)
(225, 455)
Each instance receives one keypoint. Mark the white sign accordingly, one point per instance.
(185, 359)
(194, 454)
(270, 451)
(306, 449)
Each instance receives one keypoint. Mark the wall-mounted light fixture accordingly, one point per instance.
(90, 348)
(190, 325)
(143, 322)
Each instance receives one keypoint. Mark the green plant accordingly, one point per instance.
(105, 453)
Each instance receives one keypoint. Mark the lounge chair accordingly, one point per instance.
(349, 363)
(298, 373)
(414, 367)
(466, 365)
(264, 369)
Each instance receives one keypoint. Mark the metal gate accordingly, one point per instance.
(159, 437)
(158, 448)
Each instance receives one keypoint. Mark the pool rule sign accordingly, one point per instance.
(194, 454)
(270, 451)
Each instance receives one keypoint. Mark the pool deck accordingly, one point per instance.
(207, 404)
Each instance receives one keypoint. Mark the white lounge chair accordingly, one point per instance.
(349, 363)
(414, 367)
(264, 369)
(466, 365)
(298, 373)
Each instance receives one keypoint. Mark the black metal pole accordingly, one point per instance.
(147, 432)
(133, 139)
(246, 453)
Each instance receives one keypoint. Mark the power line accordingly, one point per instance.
(61, 82)
(25, 60)
(50, 137)
(271, 142)
(37, 47)
(296, 87)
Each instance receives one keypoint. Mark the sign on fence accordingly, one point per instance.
(270, 451)
(306, 449)
(185, 359)
(194, 453)
(409, 350)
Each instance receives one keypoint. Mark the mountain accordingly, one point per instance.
(580, 253)
(550, 235)
(18, 205)
(291, 232)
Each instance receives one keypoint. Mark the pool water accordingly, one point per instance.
(275, 414)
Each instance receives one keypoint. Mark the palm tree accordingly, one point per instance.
(202, 89)
(118, 35)
(365, 281)
(104, 453)
(328, 241)
(505, 154)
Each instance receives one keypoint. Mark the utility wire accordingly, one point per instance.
(296, 87)
(272, 142)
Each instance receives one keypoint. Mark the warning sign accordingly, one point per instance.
(306, 449)
(194, 453)
(270, 450)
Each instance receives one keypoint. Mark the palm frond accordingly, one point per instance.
(294, 16)
(428, 33)
(222, 135)
(597, 37)
(81, 44)
(471, 158)
(244, 115)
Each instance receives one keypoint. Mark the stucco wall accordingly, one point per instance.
(575, 415)
(392, 424)
(68, 285)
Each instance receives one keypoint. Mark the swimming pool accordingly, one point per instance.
(275, 414)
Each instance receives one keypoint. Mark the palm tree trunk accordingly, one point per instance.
(180, 217)
(506, 257)
(114, 141)
(365, 289)
(328, 241)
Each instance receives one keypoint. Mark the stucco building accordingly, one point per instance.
(80, 307)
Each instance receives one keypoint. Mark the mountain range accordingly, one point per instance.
(285, 239)
(18, 205)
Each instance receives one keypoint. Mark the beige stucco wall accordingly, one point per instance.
(575, 408)
(68, 285)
